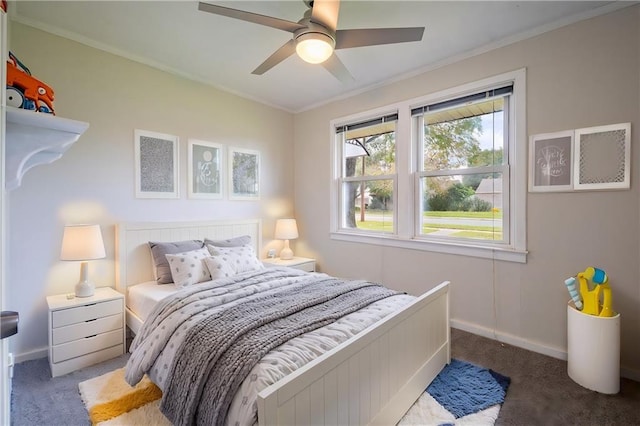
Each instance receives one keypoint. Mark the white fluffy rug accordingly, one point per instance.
(427, 411)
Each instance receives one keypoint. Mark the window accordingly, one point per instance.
(368, 175)
(446, 172)
(463, 167)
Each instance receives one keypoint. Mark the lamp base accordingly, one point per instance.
(84, 288)
(286, 253)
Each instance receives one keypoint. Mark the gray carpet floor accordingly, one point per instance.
(540, 393)
(38, 399)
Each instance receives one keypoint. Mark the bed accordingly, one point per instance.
(370, 378)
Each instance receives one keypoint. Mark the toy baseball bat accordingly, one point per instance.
(573, 292)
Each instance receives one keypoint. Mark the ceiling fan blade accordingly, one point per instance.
(335, 66)
(256, 18)
(346, 39)
(325, 13)
(278, 56)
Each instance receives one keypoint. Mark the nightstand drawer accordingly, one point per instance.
(86, 345)
(302, 263)
(64, 367)
(80, 314)
(306, 266)
(85, 329)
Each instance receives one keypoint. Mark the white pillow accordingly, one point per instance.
(237, 259)
(188, 268)
(219, 268)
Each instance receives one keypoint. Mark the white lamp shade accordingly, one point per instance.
(82, 242)
(286, 229)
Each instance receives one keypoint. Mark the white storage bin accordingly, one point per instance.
(593, 350)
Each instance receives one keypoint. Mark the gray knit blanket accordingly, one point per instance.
(219, 350)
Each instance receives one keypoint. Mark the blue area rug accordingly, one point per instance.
(463, 388)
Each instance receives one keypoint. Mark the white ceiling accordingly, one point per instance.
(220, 51)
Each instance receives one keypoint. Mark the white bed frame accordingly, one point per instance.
(373, 378)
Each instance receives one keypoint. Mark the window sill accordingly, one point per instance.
(505, 254)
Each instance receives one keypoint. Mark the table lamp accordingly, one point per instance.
(286, 229)
(82, 242)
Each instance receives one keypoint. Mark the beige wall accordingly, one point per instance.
(578, 76)
(94, 181)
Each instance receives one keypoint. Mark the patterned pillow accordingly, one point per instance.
(189, 268)
(239, 259)
(219, 268)
(159, 250)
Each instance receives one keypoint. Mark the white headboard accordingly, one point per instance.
(133, 257)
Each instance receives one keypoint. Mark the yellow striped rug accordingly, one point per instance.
(111, 401)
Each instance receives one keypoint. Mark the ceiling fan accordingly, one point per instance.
(315, 36)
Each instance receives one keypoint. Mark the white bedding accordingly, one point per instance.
(142, 298)
(280, 361)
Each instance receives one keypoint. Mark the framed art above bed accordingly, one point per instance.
(205, 174)
(244, 174)
(156, 164)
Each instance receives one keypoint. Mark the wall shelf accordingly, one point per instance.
(34, 138)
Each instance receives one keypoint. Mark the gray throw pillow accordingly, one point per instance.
(231, 242)
(159, 250)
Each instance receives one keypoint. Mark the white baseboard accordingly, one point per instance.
(459, 324)
(554, 352)
(628, 373)
(35, 354)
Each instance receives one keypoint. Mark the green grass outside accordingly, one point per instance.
(463, 227)
(478, 235)
(466, 215)
(371, 225)
(478, 215)
(463, 231)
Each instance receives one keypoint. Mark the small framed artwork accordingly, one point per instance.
(550, 162)
(602, 157)
(156, 156)
(244, 174)
(205, 169)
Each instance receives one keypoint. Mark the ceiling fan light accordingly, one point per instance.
(314, 48)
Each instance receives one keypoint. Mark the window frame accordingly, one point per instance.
(408, 187)
(340, 179)
(418, 122)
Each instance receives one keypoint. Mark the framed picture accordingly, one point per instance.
(205, 174)
(602, 157)
(156, 164)
(244, 174)
(550, 162)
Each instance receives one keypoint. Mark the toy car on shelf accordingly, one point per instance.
(25, 91)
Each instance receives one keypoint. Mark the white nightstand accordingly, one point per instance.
(85, 330)
(302, 263)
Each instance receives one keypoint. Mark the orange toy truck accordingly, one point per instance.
(26, 91)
